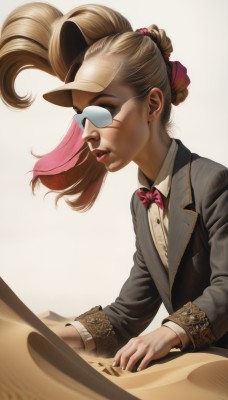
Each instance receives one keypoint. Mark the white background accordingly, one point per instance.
(67, 262)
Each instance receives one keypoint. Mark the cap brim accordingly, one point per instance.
(93, 76)
(62, 96)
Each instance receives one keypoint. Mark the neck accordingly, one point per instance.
(153, 155)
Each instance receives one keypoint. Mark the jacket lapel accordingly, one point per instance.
(181, 220)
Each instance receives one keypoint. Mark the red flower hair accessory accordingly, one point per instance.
(179, 78)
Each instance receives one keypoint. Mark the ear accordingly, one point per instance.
(155, 104)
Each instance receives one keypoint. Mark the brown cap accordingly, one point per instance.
(93, 76)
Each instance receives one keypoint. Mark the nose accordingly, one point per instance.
(90, 132)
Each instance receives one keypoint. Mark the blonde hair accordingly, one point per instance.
(38, 35)
(24, 43)
(145, 67)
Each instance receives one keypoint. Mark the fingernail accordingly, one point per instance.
(114, 363)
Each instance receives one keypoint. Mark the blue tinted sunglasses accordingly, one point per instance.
(99, 116)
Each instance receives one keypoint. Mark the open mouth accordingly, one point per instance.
(100, 154)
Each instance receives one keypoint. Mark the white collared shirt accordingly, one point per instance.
(158, 218)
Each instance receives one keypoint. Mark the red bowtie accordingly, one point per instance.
(148, 197)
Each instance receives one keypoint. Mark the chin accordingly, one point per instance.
(114, 167)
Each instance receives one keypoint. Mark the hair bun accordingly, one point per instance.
(162, 40)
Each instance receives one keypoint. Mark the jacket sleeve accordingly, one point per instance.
(206, 319)
(130, 313)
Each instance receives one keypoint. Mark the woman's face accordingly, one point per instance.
(126, 138)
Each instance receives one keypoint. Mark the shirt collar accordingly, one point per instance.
(164, 177)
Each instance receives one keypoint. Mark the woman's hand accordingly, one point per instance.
(70, 335)
(146, 348)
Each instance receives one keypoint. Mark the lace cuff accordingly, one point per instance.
(195, 323)
(98, 325)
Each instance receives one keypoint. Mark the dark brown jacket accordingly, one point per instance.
(197, 253)
(195, 290)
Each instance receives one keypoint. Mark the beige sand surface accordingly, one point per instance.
(36, 364)
(199, 376)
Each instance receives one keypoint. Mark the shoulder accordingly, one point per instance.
(199, 164)
(205, 173)
(209, 183)
(204, 168)
(208, 178)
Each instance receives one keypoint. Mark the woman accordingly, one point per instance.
(122, 84)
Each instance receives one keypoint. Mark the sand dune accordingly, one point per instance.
(36, 364)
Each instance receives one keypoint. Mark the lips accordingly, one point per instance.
(100, 154)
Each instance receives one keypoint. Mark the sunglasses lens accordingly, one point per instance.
(99, 116)
(80, 120)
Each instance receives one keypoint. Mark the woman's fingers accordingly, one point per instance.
(136, 350)
(118, 357)
(146, 348)
(145, 361)
(134, 359)
(129, 355)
